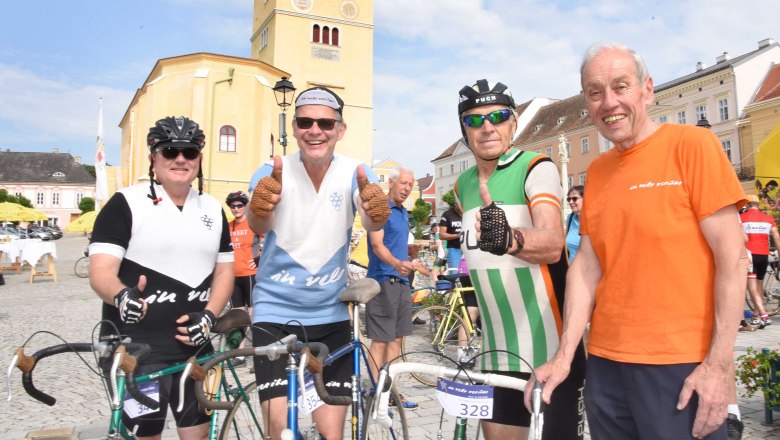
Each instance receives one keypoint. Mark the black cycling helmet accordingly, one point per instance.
(237, 196)
(482, 94)
(178, 132)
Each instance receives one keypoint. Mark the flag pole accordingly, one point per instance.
(101, 180)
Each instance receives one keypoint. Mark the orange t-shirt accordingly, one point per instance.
(241, 239)
(642, 208)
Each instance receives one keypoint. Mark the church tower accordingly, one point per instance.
(323, 43)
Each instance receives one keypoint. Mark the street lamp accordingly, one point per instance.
(284, 91)
(704, 123)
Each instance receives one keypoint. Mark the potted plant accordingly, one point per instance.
(757, 370)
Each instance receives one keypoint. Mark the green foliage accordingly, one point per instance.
(769, 203)
(21, 200)
(90, 169)
(754, 371)
(449, 198)
(86, 204)
(24, 201)
(419, 216)
(4, 195)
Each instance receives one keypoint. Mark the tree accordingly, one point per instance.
(24, 201)
(419, 216)
(19, 200)
(90, 169)
(87, 204)
(449, 198)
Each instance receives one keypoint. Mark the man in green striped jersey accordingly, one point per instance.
(514, 245)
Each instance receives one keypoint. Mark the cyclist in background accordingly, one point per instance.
(242, 239)
(162, 264)
(514, 246)
(307, 217)
(449, 230)
(758, 226)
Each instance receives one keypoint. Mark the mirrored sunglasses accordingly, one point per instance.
(325, 124)
(172, 152)
(495, 118)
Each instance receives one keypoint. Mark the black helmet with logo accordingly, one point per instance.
(178, 132)
(482, 94)
(237, 196)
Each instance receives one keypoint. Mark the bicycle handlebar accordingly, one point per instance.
(381, 415)
(128, 364)
(287, 345)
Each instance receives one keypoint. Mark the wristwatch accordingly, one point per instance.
(519, 239)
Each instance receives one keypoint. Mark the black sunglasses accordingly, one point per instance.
(237, 206)
(325, 124)
(572, 199)
(171, 153)
(495, 118)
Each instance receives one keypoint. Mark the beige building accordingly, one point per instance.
(310, 43)
(759, 131)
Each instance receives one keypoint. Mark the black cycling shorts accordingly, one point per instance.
(271, 376)
(242, 291)
(760, 263)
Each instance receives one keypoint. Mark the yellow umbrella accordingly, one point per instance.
(14, 212)
(85, 223)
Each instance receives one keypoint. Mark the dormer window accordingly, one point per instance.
(537, 128)
(583, 113)
(58, 175)
(561, 119)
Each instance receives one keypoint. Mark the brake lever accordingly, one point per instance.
(114, 369)
(536, 402)
(184, 375)
(302, 372)
(14, 363)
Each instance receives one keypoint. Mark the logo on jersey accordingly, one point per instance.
(337, 200)
(208, 221)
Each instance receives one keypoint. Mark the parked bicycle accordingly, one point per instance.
(243, 413)
(771, 288)
(441, 330)
(81, 268)
(121, 378)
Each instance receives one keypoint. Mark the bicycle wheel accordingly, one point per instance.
(81, 268)
(374, 431)
(244, 421)
(421, 347)
(771, 295)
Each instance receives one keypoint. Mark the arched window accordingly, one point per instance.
(325, 35)
(334, 36)
(315, 33)
(227, 138)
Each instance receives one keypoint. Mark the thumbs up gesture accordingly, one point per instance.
(373, 199)
(267, 192)
(493, 232)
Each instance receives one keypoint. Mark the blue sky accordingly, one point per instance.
(58, 57)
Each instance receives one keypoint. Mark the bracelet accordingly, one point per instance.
(520, 240)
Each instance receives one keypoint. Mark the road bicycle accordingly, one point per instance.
(445, 329)
(124, 356)
(244, 413)
(463, 409)
(770, 287)
(81, 268)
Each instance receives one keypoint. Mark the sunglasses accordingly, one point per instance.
(172, 153)
(325, 124)
(237, 206)
(572, 199)
(495, 118)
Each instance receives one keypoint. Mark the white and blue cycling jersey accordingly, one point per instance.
(302, 269)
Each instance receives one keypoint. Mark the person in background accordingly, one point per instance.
(243, 241)
(440, 261)
(758, 226)
(449, 230)
(654, 377)
(389, 314)
(160, 259)
(574, 200)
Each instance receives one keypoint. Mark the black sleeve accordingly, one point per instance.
(224, 240)
(114, 224)
(443, 222)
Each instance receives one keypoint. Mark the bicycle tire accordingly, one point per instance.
(771, 295)
(239, 423)
(373, 431)
(420, 346)
(81, 268)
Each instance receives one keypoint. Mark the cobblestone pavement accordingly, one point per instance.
(70, 309)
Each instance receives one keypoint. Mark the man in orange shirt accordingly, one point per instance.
(660, 272)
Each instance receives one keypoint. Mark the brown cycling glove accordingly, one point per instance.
(378, 208)
(269, 186)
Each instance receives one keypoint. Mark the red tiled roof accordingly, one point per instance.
(770, 88)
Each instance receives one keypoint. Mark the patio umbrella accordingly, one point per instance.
(14, 212)
(85, 223)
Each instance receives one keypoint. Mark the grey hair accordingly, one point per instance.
(397, 172)
(641, 68)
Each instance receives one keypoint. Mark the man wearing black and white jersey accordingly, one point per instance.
(161, 262)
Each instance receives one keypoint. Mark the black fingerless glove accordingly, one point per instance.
(495, 234)
(131, 308)
(200, 325)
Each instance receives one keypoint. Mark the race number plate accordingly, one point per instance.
(310, 400)
(148, 389)
(464, 400)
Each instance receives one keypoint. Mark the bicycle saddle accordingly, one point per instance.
(235, 319)
(360, 291)
(452, 277)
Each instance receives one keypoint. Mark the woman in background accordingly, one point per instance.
(573, 221)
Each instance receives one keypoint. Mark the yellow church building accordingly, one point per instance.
(311, 42)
